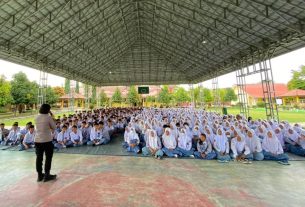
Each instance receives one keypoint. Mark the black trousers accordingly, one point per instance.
(47, 149)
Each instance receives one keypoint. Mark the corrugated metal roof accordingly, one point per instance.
(123, 42)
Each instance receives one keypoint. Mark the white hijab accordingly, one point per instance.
(221, 140)
(272, 144)
(153, 139)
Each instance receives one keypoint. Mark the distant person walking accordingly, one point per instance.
(43, 142)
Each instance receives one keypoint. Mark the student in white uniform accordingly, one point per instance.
(204, 149)
(221, 145)
(76, 136)
(133, 141)
(13, 136)
(240, 150)
(85, 130)
(3, 133)
(28, 140)
(95, 135)
(273, 150)
(254, 145)
(63, 138)
(291, 137)
(153, 146)
(299, 147)
(170, 144)
(105, 134)
(185, 144)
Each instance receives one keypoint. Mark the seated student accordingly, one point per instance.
(153, 146)
(209, 134)
(85, 130)
(13, 136)
(261, 132)
(28, 140)
(133, 141)
(255, 146)
(63, 139)
(105, 133)
(170, 144)
(205, 150)
(185, 144)
(120, 126)
(126, 133)
(240, 150)
(195, 136)
(95, 135)
(3, 132)
(24, 131)
(291, 137)
(76, 136)
(221, 145)
(298, 128)
(299, 147)
(273, 150)
(278, 133)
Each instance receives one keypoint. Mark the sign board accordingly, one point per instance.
(143, 90)
(279, 101)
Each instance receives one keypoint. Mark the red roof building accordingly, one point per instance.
(294, 93)
(256, 91)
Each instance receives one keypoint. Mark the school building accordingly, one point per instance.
(255, 94)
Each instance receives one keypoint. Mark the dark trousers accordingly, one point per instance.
(42, 148)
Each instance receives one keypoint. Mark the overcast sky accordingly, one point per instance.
(281, 65)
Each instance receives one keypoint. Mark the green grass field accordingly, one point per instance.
(23, 121)
(291, 116)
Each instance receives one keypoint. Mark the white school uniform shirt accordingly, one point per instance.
(221, 143)
(169, 141)
(132, 135)
(76, 136)
(253, 143)
(13, 135)
(184, 141)
(291, 138)
(95, 134)
(29, 138)
(63, 135)
(239, 147)
(205, 147)
(153, 141)
(105, 133)
(272, 145)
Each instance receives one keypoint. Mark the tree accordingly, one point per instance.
(51, 96)
(103, 98)
(77, 87)
(181, 95)
(207, 95)
(164, 96)
(59, 91)
(67, 86)
(117, 96)
(93, 97)
(132, 96)
(23, 91)
(5, 92)
(298, 79)
(230, 95)
(151, 99)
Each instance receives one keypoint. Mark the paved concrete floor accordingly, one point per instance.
(96, 180)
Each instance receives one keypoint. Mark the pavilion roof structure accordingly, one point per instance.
(125, 42)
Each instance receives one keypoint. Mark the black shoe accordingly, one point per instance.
(40, 177)
(49, 177)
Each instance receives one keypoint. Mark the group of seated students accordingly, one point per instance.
(175, 132)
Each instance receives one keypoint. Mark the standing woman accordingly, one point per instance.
(43, 142)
